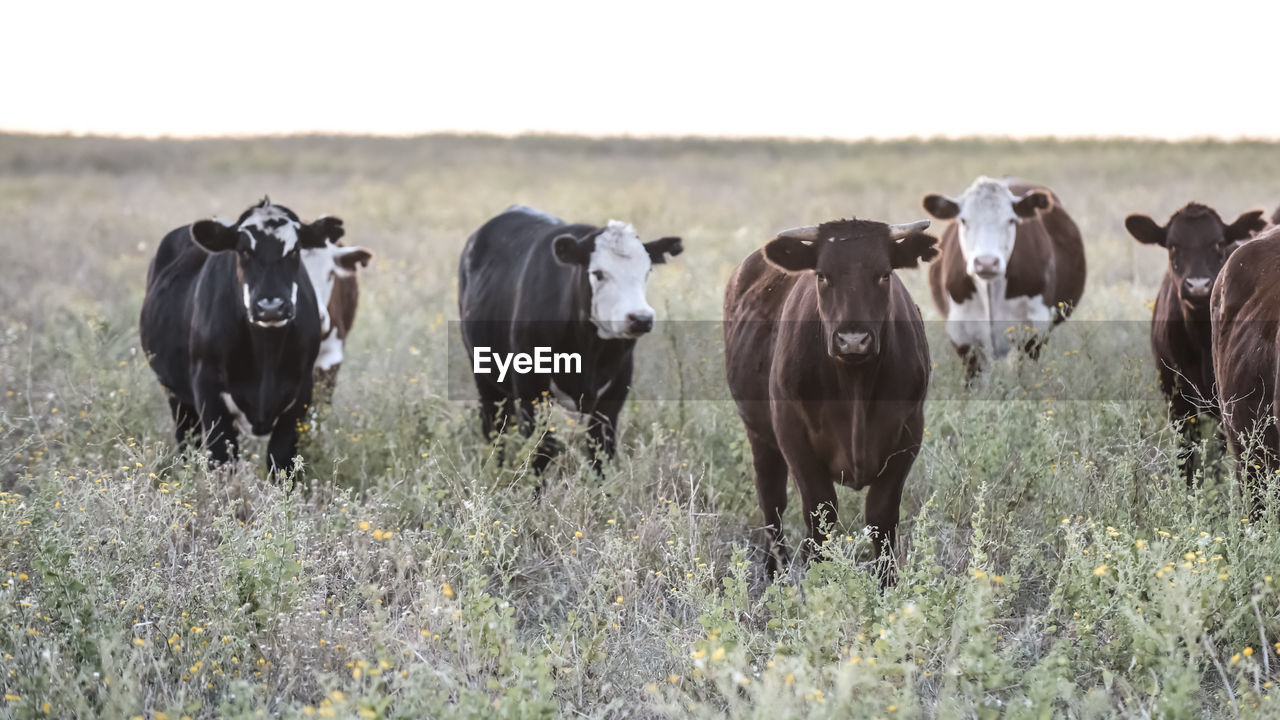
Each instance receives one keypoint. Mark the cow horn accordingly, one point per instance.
(897, 232)
(804, 232)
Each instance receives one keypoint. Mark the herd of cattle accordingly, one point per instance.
(825, 349)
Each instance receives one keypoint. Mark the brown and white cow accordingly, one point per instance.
(332, 271)
(1245, 316)
(828, 363)
(1198, 243)
(1013, 258)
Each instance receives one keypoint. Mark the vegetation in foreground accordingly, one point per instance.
(1055, 563)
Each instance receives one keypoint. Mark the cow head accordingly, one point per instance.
(1198, 243)
(267, 241)
(617, 266)
(328, 263)
(852, 262)
(987, 217)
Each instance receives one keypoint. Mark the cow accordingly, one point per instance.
(529, 280)
(332, 272)
(827, 360)
(231, 327)
(1244, 312)
(1198, 243)
(1013, 258)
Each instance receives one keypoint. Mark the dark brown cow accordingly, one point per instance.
(828, 363)
(332, 270)
(1198, 243)
(1013, 258)
(1245, 312)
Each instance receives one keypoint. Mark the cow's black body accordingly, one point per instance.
(514, 296)
(197, 334)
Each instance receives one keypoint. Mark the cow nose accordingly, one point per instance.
(639, 323)
(1196, 287)
(271, 309)
(986, 266)
(853, 343)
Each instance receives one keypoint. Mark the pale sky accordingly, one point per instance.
(658, 67)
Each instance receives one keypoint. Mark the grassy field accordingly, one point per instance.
(1053, 562)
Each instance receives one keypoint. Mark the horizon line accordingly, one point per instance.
(728, 137)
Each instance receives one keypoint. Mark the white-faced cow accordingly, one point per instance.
(528, 280)
(1013, 258)
(1198, 243)
(332, 271)
(828, 363)
(231, 327)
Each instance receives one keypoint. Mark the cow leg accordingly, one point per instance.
(1182, 411)
(548, 445)
(970, 355)
(771, 491)
(495, 409)
(324, 381)
(1034, 344)
(283, 445)
(818, 496)
(186, 421)
(221, 441)
(603, 426)
(884, 499)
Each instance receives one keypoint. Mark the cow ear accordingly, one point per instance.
(570, 250)
(346, 259)
(1145, 230)
(1027, 205)
(662, 247)
(214, 236)
(1244, 226)
(791, 254)
(321, 232)
(941, 207)
(910, 250)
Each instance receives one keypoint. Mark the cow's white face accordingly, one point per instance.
(987, 217)
(324, 266)
(617, 265)
(618, 271)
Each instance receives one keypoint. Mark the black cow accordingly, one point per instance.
(231, 327)
(529, 280)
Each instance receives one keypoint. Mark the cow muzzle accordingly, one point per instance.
(853, 347)
(272, 312)
(639, 323)
(1196, 290)
(987, 267)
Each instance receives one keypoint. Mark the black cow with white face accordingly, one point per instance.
(231, 327)
(529, 280)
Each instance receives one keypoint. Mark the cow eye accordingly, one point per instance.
(1013, 221)
(884, 278)
(822, 278)
(598, 275)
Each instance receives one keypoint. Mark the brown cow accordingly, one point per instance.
(828, 363)
(332, 271)
(1245, 312)
(1013, 258)
(1198, 243)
